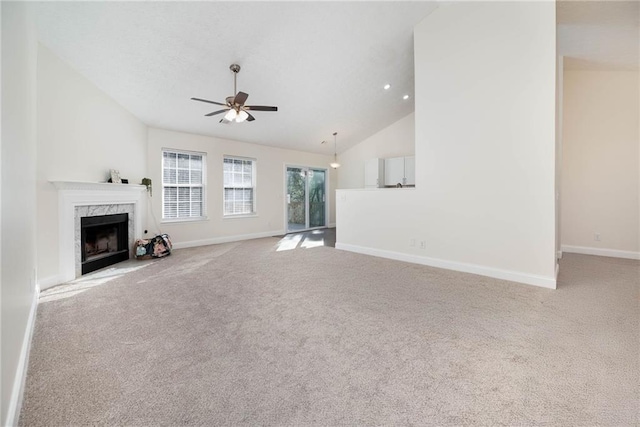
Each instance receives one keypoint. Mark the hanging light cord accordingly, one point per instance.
(335, 163)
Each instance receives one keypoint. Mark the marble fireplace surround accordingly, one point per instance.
(78, 199)
(100, 210)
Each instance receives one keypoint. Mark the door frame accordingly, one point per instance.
(326, 197)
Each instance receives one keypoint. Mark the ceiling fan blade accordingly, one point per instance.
(216, 112)
(225, 121)
(260, 108)
(240, 98)
(250, 118)
(206, 100)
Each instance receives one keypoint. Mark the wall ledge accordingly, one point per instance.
(513, 276)
(613, 253)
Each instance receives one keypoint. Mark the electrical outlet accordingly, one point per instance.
(423, 244)
(412, 243)
(596, 237)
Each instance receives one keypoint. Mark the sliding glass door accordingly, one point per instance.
(296, 199)
(306, 198)
(317, 208)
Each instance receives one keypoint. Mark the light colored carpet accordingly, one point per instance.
(243, 334)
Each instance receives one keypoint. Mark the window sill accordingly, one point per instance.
(253, 215)
(181, 220)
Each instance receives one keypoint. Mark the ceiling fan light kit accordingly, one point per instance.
(235, 110)
(242, 116)
(231, 115)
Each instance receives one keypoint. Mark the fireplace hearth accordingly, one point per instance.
(104, 241)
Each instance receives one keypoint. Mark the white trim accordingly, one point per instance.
(96, 186)
(614, 253)
(48, 282)
(327, 198)
(332, 225)
(72, 194)
(254, 187)
(186, 219)
(227, 239)
(202, 185)
(514, 276)
(236, 216)
(559, 255)
(17, 392)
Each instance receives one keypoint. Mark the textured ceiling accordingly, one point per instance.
(322, 63)
(599, 34)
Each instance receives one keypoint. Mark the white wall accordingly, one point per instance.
(396, 140)
(485, 149)
(559, 119)
(82, 133)
(600, 162)
(270, 202)
(18, 154)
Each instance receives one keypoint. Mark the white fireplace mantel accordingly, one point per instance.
(72, 194)
(96, 186)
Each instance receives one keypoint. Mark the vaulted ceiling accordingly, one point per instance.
(324, 64)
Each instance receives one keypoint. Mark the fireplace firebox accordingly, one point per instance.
(104, 240)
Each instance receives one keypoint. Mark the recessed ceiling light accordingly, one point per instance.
(405, 97)
(387, 86)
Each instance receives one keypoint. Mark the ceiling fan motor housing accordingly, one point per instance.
(236, 103)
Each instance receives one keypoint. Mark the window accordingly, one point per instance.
(239, 186)
(182, 185)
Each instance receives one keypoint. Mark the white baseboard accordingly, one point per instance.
(332, 225)
(614, 253)
(226, 239)
(514, 276)
(559, 254)
(49, 282)
(17, 391)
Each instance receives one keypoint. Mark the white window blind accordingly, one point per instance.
(182, 185)
(239, 186)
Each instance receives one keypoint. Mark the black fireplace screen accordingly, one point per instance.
(104, 241)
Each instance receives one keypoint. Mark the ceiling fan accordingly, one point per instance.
(235, 109)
